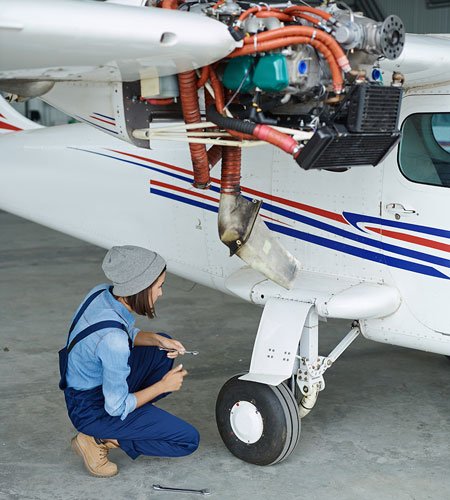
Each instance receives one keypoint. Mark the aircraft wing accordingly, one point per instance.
(71, 40)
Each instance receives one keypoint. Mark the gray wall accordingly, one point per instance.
(49, 116)
(417, 17)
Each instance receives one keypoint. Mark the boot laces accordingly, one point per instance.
(103, 452)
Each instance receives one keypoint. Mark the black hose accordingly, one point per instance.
(244, 127)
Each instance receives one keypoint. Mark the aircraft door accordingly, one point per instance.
(415, 210)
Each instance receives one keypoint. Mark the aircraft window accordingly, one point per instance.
(424, 153)
(440, 126)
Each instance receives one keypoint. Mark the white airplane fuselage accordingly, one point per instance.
(85, 183)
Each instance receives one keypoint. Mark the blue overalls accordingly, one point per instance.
(147, 430)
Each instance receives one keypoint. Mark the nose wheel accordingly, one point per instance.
(258, 423)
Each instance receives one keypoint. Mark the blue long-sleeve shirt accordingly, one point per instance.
(102, 357)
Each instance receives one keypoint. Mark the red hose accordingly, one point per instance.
(160, 102)
(310, 19)
(187, 82)
(252, 10)
(203, 77)
(220, 104)
(231, 170)
(272, 136)
(218, 90)
(273, 13)
(169, 4)
(303, 8)
(214, 155)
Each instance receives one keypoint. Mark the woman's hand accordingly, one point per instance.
(173, 379)
(175, 346)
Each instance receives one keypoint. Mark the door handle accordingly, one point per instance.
(400, 209)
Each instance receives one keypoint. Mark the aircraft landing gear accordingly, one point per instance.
(258, 414)
(258, 423)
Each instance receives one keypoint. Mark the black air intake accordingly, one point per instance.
(335, 147)
(373, 108)
(363, 131)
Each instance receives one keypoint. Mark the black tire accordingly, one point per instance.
(280, 420)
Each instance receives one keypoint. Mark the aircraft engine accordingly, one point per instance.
(313, 70)
(305, 80)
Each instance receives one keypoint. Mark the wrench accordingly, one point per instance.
(194, 353)
(158, 487)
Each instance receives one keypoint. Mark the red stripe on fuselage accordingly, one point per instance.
(301, 206)
(156, 162)
(201, 195)
(102, 120)
(411, 239)
(7, 126)
(183, 190)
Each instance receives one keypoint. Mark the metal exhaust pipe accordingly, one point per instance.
(246, 235)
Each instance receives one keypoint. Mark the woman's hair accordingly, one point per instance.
(141, 302)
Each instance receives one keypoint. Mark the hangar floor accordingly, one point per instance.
(380, 430)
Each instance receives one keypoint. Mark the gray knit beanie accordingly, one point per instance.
(132, 269)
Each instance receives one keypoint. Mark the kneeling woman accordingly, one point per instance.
(112, 372)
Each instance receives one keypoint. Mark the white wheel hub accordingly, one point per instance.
(246, 422)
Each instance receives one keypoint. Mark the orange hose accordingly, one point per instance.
(220, 104)
(252, 10)
(214, 152)
(203, 77)
(231, 170)
(310, 19)
(303, 8)
(271, 13)
(218, 4)
(187, 82)
(218, 90)
(336, 75)
(169, 4)
(214, 155)
(314, 33)
(160, 102)
(279, 139)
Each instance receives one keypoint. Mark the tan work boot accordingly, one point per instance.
(94, 455)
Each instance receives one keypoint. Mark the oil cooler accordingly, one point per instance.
(362, 132)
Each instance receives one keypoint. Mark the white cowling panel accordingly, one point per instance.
(98, 41)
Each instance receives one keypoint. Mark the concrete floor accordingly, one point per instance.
(379, 431)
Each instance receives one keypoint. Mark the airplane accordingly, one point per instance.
(341, 126)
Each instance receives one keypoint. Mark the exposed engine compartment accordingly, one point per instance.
(304, 69)
(303, 79)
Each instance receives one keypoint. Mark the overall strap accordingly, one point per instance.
(94, 328)
(83, 308)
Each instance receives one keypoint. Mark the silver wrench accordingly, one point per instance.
(194, 353)
(158, 487)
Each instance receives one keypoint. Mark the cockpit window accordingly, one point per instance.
(424, 153)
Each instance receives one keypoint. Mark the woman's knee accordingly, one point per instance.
(192, 439)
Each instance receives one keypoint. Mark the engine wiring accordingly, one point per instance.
(293, 68)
